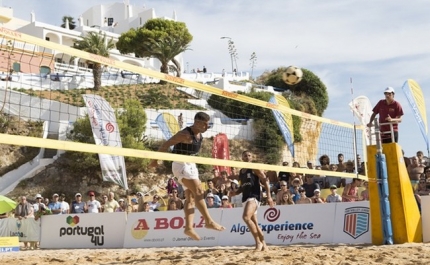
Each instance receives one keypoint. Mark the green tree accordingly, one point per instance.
(268, 137)
(98, 44)
(159, 38)
(72, 24)
(310, 86)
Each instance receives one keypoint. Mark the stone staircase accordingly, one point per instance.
(50, 153)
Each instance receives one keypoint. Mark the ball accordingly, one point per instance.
(293, 75)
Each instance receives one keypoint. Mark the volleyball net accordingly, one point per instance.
(49, 85)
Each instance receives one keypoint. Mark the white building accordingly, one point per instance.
(112, 19)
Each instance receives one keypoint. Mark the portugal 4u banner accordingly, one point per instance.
(106, 132)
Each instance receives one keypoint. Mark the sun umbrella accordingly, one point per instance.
(6, 204)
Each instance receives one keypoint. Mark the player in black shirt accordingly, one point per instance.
(188, 142)
(251, 196)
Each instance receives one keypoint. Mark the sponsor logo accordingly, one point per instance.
(356, 221)
(229, 94)
(96, 233)
(110, 127)
(272, 215)
(18, 233)
(140, 228)
(174, 79)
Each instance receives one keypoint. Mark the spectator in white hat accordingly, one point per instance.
(78, 206)
(225, 202)
(236, 200)
(389, 111)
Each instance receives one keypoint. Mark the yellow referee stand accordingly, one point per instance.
(405, 215)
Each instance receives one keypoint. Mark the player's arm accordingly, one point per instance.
(371, 119)
(179, 137)
(265, 182)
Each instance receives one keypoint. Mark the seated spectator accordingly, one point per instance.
(324, 162)
(65, 207)
(55, 206)
(303, 199)
(225, 202)
(223, 184)
(350, 192)
(46, 201)
(146, 207)
(176, 199)
(171, 185)
(422, 188)
(93, 205)
(310, 186)
(24, 209)
(78, 206)
(340, 167)
(4, 215)
(236, 200)
(172, 206)
(294, 189)
(210, 201)
(103, 202)
(111, 204)
(332, 180)
(317, 197)
(211, 188)
(320, 180)
(134, 205)
(286, 198)
(273, 181)
(234, 175)
(364, 195)
(281, 192)
(39, 207)
(154, 204)
(283, 175)
(122, 206)
(349, 169)
(294, 175)
(333, 197)
(310, 165)
(181, 191)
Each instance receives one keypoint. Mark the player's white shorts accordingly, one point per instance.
(252, 200)
(185, 170)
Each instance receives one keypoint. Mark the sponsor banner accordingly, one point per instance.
(9, 244)
(284, 121)
(103, 230)
(425, 217)
(24, 229)
(416, 100)
(106, 132)
(283, 225)
(166, 229)
(168, 125)
(220, 150)
(352, 223)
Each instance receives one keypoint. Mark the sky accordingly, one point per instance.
(377, 43)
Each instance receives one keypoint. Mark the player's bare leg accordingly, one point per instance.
(189, 216)
(248, 216)
(262, 246)
(194, 186)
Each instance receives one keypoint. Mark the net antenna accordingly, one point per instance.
(354, 143)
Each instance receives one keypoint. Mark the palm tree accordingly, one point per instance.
(165, 50)
(95, 43)
(72, 23)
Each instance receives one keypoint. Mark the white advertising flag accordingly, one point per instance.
(106, 132)
(362, 109)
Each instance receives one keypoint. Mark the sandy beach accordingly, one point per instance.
(297, 254)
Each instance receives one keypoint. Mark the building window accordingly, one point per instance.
(47, 38)
(110, 21)
(88, 22)
(16, 67)
(140, 20)
(45, 70)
